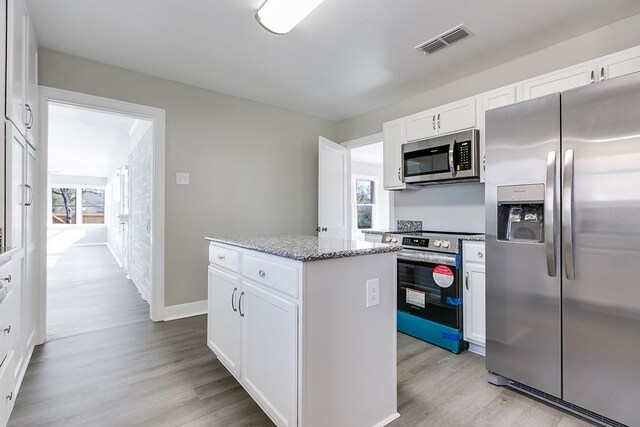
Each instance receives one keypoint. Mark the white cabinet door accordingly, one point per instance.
(30, 293)
(223, 321)
(487, 101)
(392, 154)
(333, 190)
(623, 63)
(568, 78)
(16, 190)
(16, 62)
(31, 89)
(421, 125)
(474, 303)
(269, 352)
(456, 116)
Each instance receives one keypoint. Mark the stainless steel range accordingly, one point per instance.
(430, 286)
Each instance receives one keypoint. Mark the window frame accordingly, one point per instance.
(354, 202)
(79, 214)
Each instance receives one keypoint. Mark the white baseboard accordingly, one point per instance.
(180, 311)
(478, 349)
(89, 244)
(114, 255)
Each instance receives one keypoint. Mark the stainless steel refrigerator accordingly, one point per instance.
(563, 248)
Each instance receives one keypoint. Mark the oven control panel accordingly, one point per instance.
(415, 241)
(433, 243)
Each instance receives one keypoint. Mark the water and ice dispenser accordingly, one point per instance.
(520, 213)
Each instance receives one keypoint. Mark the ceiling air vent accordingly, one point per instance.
(443, 40)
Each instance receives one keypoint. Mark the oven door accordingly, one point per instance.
(429, 287)
(423, 161)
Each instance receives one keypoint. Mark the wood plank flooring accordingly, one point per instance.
(106, 364)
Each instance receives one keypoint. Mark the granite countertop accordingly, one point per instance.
(6, 252)
(304, 248)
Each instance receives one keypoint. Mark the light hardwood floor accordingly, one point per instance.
(106, 364)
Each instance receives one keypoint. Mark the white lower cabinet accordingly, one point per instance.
(269, 352)
(224, 328)
(254, 333)
(473, 296)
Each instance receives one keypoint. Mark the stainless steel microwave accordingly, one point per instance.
(447, 158)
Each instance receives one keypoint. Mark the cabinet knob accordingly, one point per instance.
(261, 273)
(434, 122)
(480, 255)
(399, 174)
(601, 73)
(7, 279)
(7, 329)
(9, 396)
(438, 120)
(593, 76)
(221, 257)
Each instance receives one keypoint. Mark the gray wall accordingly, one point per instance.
(460, 207)
(214, 137)
(611, 38)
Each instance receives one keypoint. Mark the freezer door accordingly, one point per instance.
(601, 236)
(523, 267)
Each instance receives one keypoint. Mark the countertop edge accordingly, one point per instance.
(308, 258)
(6, 253)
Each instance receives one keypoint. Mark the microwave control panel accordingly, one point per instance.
(464, 155)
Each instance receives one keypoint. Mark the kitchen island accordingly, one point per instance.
(307, 325)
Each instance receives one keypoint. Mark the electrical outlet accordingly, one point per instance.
(182, 178)
(373, 292)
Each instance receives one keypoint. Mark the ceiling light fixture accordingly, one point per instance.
(280, 16)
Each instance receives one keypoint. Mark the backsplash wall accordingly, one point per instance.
(445, 207)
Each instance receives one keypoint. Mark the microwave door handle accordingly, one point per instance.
(451, 165)
(550, 214)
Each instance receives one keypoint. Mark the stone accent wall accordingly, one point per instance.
(140, 186)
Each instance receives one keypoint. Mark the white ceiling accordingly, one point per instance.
(87, 142)
(346, 58)
(370, 153)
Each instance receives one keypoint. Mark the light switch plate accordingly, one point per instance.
(182, 178)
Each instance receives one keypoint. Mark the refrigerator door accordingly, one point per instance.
(523, 266)
(601, 244)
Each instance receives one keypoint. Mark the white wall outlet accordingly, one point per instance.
(373, 292)
(182, 178)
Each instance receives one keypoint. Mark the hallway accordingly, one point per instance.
(106, 364)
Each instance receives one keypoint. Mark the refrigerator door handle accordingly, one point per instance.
(567, 213)
(550, 214)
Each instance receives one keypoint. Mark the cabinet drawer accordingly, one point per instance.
(8, 310)
(223, 257)
(7, 388)
(473, 252)
(280, 277)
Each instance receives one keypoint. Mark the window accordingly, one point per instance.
(93, 206)
(365, 199)
(77, 205)
(63, 205)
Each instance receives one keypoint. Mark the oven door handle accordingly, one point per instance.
(428, 257)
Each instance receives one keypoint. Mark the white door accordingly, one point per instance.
(421, 125)
(568, 78)
(124, 212)
(31, 89)
(30, 291)
(333, 190)
(16, 39)
(269, 352)
(223, 319)
(621, 64)
(456, 116)
(474, 303)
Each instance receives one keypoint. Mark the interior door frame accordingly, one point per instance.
(48, 95)
(366, 140)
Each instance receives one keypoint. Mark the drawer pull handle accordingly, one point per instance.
(480, 254)
(7, 329)
(10, 396)
(221, 257)
(261, 273)
(7, 279)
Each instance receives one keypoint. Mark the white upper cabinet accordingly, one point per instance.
(558, 81)
(392, 154)
(22, 71)
(16, 60)
(421, 125)
(31, 86)
(619, 64)
(446, 119)
(488, 101)
(456, 116)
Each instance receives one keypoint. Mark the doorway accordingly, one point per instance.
(103, 168)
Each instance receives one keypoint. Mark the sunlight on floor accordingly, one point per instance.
(60, 241)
